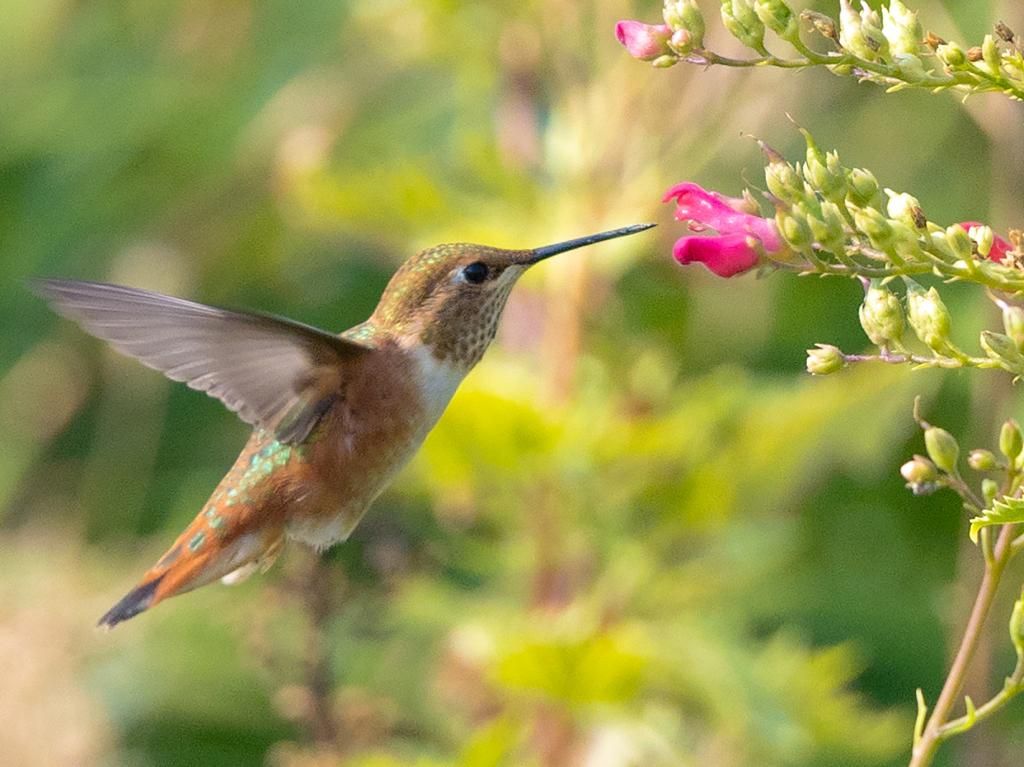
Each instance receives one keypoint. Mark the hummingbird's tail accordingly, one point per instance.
(201, 555)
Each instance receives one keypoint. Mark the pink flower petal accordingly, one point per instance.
(1000, 247)
(725, 255)
(644, 41)
(710, 209)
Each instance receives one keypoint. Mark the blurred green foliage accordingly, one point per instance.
(639, 536)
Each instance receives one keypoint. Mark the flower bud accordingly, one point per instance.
(982, 460)
(910, 67)
(645, 42)
(1010, 440)
(1013, 324)
(881, 315)
(906, 208)
(989, 491)
(777, 16)
(901, 28)
(829, 229)
(959, 242)
(942, 448)
(851, 36)
(739, 18)
(681, 43)
(920, 475)
(983, 237)
(863, 186)
(824, 25)
(928, 316)
(793, 227)
(906, 241)
(824, 359)
(1017, 626)
(951, 54)
(1004, 33)
(685, 16)
(783, 181)
(875, 226)
(824, 171)
(1003, 350)
(991, 55)
(919, 470)
(871, 28)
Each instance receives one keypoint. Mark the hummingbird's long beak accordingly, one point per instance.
(539, 254)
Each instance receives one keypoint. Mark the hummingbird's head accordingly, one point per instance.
(450, 297)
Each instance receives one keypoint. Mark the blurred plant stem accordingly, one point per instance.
(319, 606)
(938, 727)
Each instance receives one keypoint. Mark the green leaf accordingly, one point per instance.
(1006, 511)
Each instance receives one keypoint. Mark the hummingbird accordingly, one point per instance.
(334, 417)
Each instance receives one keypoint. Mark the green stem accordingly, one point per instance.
(933, 734)
(1011, 688)
(920, 359)
(973, 79)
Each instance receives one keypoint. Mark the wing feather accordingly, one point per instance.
(261, 367)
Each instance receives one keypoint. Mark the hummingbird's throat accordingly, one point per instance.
(463, 329)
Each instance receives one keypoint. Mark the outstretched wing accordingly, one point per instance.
(275, 373)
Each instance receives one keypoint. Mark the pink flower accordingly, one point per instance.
(1000, 247)
(644, 41)
(743, 238)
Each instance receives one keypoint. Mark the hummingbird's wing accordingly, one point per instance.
(275, 373)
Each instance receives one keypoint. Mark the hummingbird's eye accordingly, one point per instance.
(475, 272)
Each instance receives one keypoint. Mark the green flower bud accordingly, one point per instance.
(910, 67)
(1013, 324)
(901, 28)
(685, 16)
(793, 227)
(983, 237)
(783, 180)
(940, 242)
(881, 315)
(871, 28)
(991, 55)
(666, 61)
(1017, 626)
(824, 171)
(824, 359)
(829, 229)
(1010, 440)
(928, 316)
(851, 34)
(982, 460)
(777, 16)
(959, 242)
(951, 54)
(1003, 350)
(875, 226)
(739, 18)
(989, 491)
(906, 241)
(942, 448)
(863, 186)
(919, 470)
(906, 208)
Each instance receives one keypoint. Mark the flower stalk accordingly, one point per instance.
(887, 48)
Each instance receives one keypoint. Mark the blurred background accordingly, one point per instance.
(641, 535)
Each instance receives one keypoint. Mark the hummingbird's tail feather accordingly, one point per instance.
(134, 602)
(197, 558)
